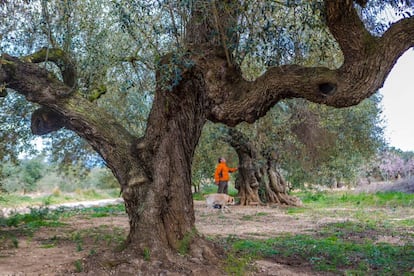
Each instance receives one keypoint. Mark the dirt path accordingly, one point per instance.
(58, 250)
(6, 212)
(255, 222)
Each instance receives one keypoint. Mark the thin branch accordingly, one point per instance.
(173, 22)
(48, 31)
(222, 35)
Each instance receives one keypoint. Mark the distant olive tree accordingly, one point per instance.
(22, 177)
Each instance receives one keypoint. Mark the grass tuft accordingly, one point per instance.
(184, 245)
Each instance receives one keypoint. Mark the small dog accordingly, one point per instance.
(222, 200)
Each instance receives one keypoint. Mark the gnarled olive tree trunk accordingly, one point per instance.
(259, 179)
(161, 208)
(276, 188)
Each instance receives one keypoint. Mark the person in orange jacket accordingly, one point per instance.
(221, 176)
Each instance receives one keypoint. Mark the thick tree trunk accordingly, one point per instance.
(161, 210)
(276, 188)
(259, 180)
(249, 174)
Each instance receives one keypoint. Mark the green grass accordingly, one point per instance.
(78, 266)
(246, 217)
(407, 222)
(184, 244)
(101, 234)
(48, 245)
(14, 200)
(331, 254)
(44, 217)
(295, 210)
(15, 242)
(261, 214)
(345, 199)
(146, 254)
(104, 211)
(35, 219)
(368, 208)
(344, 248)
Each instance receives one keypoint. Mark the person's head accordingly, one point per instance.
(221, 159)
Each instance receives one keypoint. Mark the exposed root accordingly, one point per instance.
(204, 258)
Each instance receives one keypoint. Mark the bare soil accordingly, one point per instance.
(67, 249)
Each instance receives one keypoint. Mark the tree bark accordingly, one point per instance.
(161, 211)
(249, 173)
(259, 180)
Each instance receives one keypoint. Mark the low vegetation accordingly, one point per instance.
(332, 252)
(357, 246)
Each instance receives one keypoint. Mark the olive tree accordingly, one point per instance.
(198, 78)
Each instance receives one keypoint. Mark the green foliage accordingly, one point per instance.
(122, 45)
(198, 196)
(79, 246)
(92, 42)
(212, 189)
(209, 149)
(38, 175)
(15, 135)
(209, 189)
(14, 200)
(32, 171)
(22, 177)
(106, 211)
(358, 133)
(314, 143)
(8, 239)
(265, 40)
(261, 214)
(101, 178)
(332, 145)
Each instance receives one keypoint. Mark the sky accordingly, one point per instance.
(398, 103)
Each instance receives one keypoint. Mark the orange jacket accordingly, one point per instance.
(222, 172)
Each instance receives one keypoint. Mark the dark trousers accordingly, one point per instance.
(222, 187)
